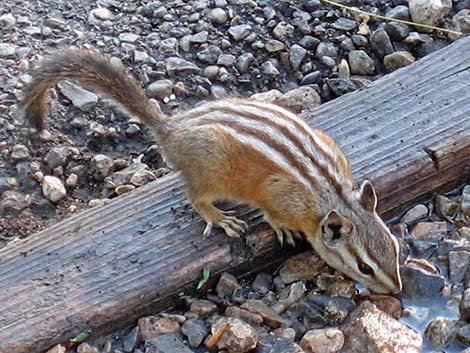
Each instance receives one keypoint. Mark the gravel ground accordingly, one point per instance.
(183, 52)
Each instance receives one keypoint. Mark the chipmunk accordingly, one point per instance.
(249, 151)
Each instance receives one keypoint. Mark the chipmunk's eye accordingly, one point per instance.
(365, 268)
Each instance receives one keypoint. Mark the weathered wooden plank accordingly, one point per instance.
(408, 132)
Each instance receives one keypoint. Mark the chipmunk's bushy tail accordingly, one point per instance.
(94, 71)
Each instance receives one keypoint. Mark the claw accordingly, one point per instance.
(233, 226)
(289, 237)
(207, 230)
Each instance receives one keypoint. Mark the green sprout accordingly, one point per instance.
(205, 278)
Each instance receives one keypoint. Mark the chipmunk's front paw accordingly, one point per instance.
(287, 235)
(230, 224)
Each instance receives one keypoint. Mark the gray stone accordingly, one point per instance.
(80, 98)
(200, 37)
(381, 43)
(268, 68)
(195, 330)
(210, 54)
(282, 30)
(270, 317)
(130, 340)
(175, 64)
(399, 12)
(211, 71)
(296, 55)
(140, 56)
(344, 24)
(311, 78)
(53, 188)
(128, 37)
(361, 63)
(218, 16)
(465, 204)
(420, 283)
(274, 45)
(32, 31)
(337, 309)
(152, 326)
(101, 13)
(244, 61)
(226, 285)
(370, 330)
(56, 157)
(326, 49)
(464, 305)
(275, 344)
(160, 88)
(446, 207)
(398, 59)
(463, 334)
(262, 283)
(414, 214)
(397, 31)
(429, 12)
(86, 348)
(12, 202)
(359, 40)
(239, 32)
(461, 22)
(309, 42)
(226, 59)
(7, 50)
(101, 166)
(203, 307)
(19, 152)
(441, 331)
(7, 20)
(166, 344)
(459, 264)
(302, 98)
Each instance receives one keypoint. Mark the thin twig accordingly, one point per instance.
(354, 9)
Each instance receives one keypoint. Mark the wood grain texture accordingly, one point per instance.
(408, 132)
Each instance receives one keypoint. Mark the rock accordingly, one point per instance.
(7, 20)
(7, 51)
(268, 68)
(128, 37)
(329, 340)
(292, 294)
(102, 13)
(226, 59)
(56, 157)
(361, 63)
(344, 24)
(237, 336)
(226, 285)
(309, 42)
(71, 180)
(262, 283)
(463, 334)
(129, 341)
(337, 309)
(389, 305)
(165, 344)
(200, 37)
(210, 54)
(268, 96)
(459, 265)
(273, 344)
(441, 331)
(33, 31)
(273, 46)
(239, 32)
(299, 99)
(245, 315)
(427, 230)
(429, 12)
(86, 348)
(399, 12)
(57, 349)
(203, 307)
(296, 55)
(381, 43)
(397, 31)
(461, 23)
(283, 30)
(195, 330)
(244, 61)
(175, 64)
(326, 49)
(370, 330)
(270, 317)
(445, 207)
(140, 56)
(304, 266)
(12, 202)
(420, 283)
(415, 214)
(465, 205)
(19, 152)
(152, 326)
(160, 88)
(80, 98)
(359, 40)
(53, 189)
(398, 59)
(464, 305)
(218, 16)
(101, 166)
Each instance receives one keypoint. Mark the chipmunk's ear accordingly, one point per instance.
(335, 227)
(367, 196)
